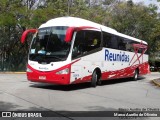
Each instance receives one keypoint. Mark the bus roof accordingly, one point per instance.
(79, 22)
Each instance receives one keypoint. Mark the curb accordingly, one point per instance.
(156, 82)
(12, 72)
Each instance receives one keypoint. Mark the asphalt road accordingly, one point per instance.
(18, 94)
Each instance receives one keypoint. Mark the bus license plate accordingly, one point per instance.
(42, 77)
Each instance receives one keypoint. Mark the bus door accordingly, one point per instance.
(87, 43)
(76, 72)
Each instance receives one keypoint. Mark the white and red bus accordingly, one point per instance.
(69, 50)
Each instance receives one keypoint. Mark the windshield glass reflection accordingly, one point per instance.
(49, 45)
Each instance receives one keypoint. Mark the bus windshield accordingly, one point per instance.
(48, 45)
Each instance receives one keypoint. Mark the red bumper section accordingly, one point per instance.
(49, 76)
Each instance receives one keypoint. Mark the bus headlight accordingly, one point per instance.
(64, 71)
(28, 70)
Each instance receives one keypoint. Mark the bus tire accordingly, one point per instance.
(135, 77)
(99, 82)
(94, 79)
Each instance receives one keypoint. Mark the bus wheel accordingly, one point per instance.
(94, 79)
(99, 82)
(135, 77)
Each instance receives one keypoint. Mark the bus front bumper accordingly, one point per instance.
(53, 77)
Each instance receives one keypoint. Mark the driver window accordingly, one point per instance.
(85, 42)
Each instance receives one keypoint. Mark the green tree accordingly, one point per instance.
(10, 31)
(136, 20)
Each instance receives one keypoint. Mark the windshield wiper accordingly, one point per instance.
(53, 56)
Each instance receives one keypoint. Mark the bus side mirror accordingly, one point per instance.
(25, 33)
(69, 34)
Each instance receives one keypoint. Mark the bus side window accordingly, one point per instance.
(114, 42)
(110, 41)
(85, 41)
(78, 44)
(121, 44)
(140, 50)
(129, 46)
(92, 40)
(107, 40)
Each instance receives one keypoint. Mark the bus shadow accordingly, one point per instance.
(61, 87)
(122, 80)
(79, 86)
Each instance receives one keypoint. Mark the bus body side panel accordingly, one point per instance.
(126, 72)
(110, 65)
(79, 73)
(122, 64)
(144, 68)
(86, 65)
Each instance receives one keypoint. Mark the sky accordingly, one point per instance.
(147, 2)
